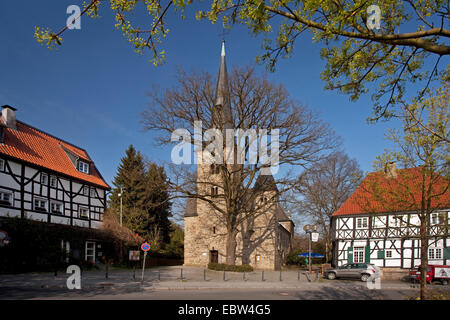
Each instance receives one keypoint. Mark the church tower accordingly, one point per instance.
(259, 240)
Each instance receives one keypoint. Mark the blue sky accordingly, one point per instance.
(92, 90)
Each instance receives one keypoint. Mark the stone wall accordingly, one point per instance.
(393, 273)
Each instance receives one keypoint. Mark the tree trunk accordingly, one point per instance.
(423, 257)
(231, 248)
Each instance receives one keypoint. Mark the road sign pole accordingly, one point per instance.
(143, 266)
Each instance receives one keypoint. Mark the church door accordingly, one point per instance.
(214, 256)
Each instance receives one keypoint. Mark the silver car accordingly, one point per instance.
(362, 271)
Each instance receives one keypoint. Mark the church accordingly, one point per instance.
(263, 239)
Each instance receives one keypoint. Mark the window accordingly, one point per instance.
(214, 169)
(388, 253)
(399, 221)
(358, 254)
(361, 223)
(214, 191)
(83, 167)
(92, 192)
(434, 218)
(40, 205)
(53, 181)
(2, 164)
(56, 207)
(214, 230)
(90, 251)
(434, 253)
(6, 198)
(85, 190)
(44, 178)
(83, 212)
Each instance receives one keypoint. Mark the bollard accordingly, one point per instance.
(134, 272)
(106, 271)
(181, 273)
(262, 276)
(298, 275)
(204, 274)
(223, 275)
(159, 275)
(317, 274)
(280, 276)
(243, 276)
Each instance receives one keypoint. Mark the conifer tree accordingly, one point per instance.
(157, 200)
(145, 205)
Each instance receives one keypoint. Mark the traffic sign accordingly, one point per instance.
(314, 236)
(145, 247)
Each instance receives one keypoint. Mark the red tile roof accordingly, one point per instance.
(378, 193)
(42, 149)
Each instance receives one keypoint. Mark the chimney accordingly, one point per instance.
(390, 170)
(9, 117)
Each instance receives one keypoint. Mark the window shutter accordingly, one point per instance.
(380, 254)
(447, 253)
(350, 255)
(367, 255)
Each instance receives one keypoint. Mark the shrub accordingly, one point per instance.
(294, 259)
(229, 267)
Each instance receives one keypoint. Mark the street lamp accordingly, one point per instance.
(120, 195)
(310, 230)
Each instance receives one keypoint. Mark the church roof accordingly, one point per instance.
(265, 183)
(222, 103)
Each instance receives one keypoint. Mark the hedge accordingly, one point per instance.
(229, 267)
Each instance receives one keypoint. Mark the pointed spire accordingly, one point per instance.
(222, 98)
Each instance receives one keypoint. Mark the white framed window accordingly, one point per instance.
(434, 218)
(388, 253)
(44, 178)
(358, 254)
(83, 212)
(90, 251)
(362, 223)
(56, 207)
(6, 197)
(53, 181)
(83, 167)
(40, 204)
(434, 253)
(399, 221)
(2, 164)
(85, 190)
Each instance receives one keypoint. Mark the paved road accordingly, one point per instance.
(120, 285)
(336, 292)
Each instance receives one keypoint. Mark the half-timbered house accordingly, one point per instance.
(47, 179)
(365, 231)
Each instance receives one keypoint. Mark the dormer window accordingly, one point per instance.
(83, 167)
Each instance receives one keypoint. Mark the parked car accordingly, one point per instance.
(435, 273)
(362, 271)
